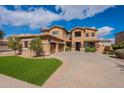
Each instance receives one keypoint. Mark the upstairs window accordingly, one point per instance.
(92, 34)
(87, 34)
(55, 32)
(77, 34)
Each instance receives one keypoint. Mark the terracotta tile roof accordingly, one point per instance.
(34, 35)
(43, 30)
(83, 28)
(104, 40)
(77, 28)
(91, 40)
(90, 28)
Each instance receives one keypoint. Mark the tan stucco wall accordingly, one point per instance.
(90, 32)
(26, 39)
(83, 37)
(45, 44)
(46, 48)
(44, 40)
(62, 34)
(77, 39)
(56, 40)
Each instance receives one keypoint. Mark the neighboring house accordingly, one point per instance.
(3, 45)
(56, 39)
(104, 42)
(119, 37)
(104, 46)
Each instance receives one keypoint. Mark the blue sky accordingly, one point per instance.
(29, 19)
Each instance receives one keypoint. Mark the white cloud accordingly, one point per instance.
(37, 18)
(103, 31)
(80, 11)
(41, 17)
(112, 40)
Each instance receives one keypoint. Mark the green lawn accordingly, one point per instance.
(35, 71)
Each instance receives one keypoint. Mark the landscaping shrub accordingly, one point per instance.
(119, 53)
(118, 46)
(89, 49)
(93, 49)
(111, 52)
(67, 49)
(119, 49)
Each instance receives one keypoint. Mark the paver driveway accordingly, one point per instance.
(87, 70)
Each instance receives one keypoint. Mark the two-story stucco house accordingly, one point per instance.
(119, 37)
(57, 38)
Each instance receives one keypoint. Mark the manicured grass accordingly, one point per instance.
(35, 71)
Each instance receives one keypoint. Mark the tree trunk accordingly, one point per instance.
(15, 52)
(33, 53)
(30, 52)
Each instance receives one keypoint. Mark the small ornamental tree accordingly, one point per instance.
(1, 34)
(14, 43)
(36, 46)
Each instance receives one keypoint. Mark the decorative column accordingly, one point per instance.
(46, 48)
(73, 47)
(65, 46)
(82, 46)
(57, 48)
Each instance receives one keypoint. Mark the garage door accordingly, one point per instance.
(52, 48)
(61, 47)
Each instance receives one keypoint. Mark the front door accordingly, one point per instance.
(26, 44)
(78, 46)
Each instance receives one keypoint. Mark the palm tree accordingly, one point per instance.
(1, 34)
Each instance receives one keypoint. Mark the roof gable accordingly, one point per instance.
(44, 30)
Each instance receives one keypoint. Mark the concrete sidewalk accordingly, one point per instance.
(9, 82)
